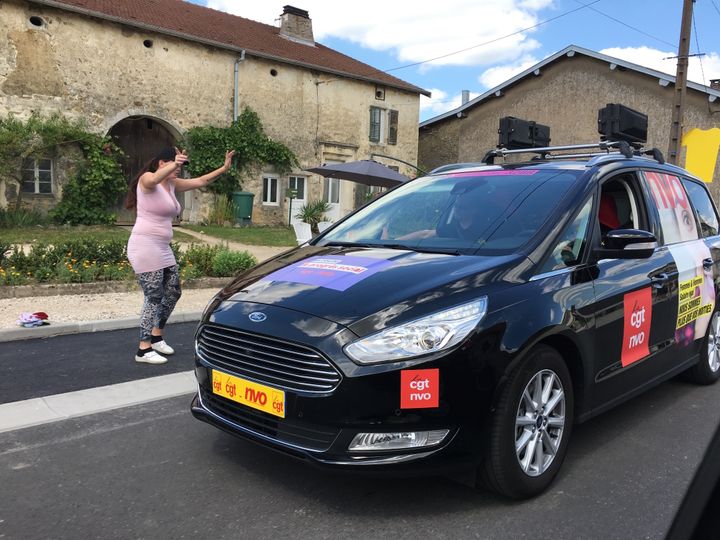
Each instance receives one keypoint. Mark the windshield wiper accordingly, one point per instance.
(337, 243)
(418, 249)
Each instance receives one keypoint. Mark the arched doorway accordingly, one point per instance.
(141, 138)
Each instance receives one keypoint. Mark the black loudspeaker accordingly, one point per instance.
(620, 123)
(516, 134)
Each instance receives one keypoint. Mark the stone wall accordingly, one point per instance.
(103, 72)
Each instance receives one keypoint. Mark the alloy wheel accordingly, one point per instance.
(713, 343)
(540, 420)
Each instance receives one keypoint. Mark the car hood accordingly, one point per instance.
(366, 288)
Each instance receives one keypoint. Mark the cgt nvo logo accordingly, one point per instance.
(257, 316)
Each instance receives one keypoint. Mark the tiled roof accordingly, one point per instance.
(198, 23)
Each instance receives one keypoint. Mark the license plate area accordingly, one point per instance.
(251, 394)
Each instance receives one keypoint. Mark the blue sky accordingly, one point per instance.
(396, 33)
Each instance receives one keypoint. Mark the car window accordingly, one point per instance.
(488, 211)
(571, 243)
(619, 207)
(704, 208)
(673, 207)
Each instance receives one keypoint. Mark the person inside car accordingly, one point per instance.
(469, 216)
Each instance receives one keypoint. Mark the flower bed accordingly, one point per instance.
(88, 261)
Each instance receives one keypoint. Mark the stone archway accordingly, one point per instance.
(140, 137)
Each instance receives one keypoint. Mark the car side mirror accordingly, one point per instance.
(626, 244)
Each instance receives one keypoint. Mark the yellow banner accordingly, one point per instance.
(690, 305)
(258, 396)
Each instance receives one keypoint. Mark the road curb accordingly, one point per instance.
(38, 411)
(52, 330)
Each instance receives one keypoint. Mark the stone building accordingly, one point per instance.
(565, 92)
(147, 71)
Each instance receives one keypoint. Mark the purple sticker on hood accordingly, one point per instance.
(338, 273)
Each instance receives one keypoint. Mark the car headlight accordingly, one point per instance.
(427, 335)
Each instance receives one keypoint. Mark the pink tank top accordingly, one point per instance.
(149, 244)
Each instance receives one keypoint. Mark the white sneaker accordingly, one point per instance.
(162, 347)
(151, 357)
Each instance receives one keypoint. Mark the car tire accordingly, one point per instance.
(707, 370)
(529, 431)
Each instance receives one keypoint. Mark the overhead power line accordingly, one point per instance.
(673, 45)
(541, 23)
(715, 6)
(700, 55)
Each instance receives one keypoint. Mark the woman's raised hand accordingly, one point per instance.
(228, 160)
(180, 157)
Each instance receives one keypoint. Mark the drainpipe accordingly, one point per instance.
(236, 89)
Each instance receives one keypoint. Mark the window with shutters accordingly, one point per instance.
(376, 115)
(393, 127)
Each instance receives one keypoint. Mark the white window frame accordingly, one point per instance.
(293, 178)
(267, 191)
(36, 176)
(331, 190)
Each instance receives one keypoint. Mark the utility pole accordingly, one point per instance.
(678, 109)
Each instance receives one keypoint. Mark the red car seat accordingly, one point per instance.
(608, 213)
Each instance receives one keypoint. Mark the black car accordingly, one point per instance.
(471, 317)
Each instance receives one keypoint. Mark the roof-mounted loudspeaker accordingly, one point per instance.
(620, 123)
(516, 134)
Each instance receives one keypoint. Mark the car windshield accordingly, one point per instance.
(490, 212)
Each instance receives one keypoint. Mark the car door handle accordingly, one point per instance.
(660, 281)
(707, 263)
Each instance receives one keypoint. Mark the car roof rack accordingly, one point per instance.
(619, 148)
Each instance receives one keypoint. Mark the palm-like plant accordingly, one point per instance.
(313, 212)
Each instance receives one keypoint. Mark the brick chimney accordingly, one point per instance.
(295, 24)
(715, 84)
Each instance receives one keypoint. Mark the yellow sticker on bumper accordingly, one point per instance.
(258, 396)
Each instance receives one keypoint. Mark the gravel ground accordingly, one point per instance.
(93, 307)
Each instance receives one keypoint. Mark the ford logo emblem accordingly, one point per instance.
(256, 316)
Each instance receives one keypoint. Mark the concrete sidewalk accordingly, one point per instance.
(59, 329)
(37, 411)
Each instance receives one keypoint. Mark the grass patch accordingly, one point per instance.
(50, 234)
(255, 236)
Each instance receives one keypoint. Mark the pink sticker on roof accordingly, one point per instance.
(503, 172)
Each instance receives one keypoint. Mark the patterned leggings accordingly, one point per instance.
(162, 291)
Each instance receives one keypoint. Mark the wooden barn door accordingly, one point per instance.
(141, 138)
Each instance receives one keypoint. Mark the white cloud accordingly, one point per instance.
(415, 31)
(440, 102)
(658, 60)
(499, 74)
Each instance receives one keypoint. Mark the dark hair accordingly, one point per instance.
(131, 197)
(166, 154)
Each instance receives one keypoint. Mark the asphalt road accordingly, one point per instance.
(152, 471)
(43, 367)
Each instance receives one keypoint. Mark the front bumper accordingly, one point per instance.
(319, 425)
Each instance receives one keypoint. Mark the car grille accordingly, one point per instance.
(302, 435)
(277, 363)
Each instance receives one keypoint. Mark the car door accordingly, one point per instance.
(635, 299)
(696, 254)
